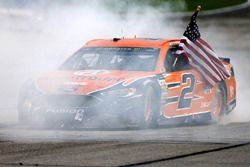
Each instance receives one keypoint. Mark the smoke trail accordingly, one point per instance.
(38, 37)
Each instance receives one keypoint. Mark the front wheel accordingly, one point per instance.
(218, 107)
(151, 109)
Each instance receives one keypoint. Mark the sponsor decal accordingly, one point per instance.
(94, 78)
(205, 104)
(162, 70)
(65, 110)
(90, 78)
(207, 90)
(79, 112)
(162, 83)
(79, 115)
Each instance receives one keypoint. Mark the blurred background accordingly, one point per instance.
(38, 35)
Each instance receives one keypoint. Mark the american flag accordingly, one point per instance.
(200, 54)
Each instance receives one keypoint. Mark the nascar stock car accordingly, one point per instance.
(135, 81)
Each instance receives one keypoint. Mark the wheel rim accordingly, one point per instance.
(148, 107)
(217, 104)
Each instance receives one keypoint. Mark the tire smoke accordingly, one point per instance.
(40, 36)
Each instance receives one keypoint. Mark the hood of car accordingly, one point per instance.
(86, 81)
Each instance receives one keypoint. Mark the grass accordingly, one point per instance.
(122, 6)
(211, 4)
(175, 5)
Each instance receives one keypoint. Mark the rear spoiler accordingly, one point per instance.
(227, 60)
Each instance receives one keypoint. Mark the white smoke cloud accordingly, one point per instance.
(40, 36)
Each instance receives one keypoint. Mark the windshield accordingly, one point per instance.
(113, 58)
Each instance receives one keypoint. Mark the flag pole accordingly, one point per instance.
(198, 8)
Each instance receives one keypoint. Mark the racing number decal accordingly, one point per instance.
(186, 102)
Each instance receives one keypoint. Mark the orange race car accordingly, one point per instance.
(135, 81)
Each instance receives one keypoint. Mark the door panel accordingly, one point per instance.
(185, 95)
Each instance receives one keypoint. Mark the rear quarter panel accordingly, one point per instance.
(230, 84)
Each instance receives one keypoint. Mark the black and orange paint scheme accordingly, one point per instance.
(137, 81)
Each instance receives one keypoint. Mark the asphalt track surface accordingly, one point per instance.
(224, 144)
(206, 145)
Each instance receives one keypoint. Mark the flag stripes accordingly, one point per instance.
(203, 59)
(200, 54)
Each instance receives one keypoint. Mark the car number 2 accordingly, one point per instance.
(185, 103)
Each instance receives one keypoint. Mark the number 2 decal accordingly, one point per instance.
(186, 102)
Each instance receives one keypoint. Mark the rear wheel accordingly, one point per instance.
(218, 103)
(151, 109)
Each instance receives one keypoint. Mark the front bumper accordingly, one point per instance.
(82, 108)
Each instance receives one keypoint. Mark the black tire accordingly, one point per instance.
(219, 106)
(150, 109)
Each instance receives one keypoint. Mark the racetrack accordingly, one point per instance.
(225, 144)
(208, 133)
(207, 145)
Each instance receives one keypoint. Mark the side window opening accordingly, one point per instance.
(175, 62)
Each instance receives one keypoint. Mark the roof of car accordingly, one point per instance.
(129, 42)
